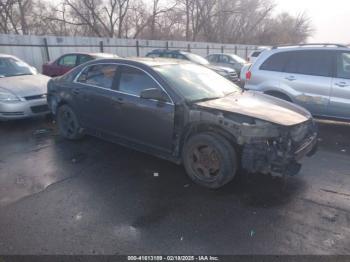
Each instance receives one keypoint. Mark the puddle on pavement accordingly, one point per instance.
(263, 191)
(29, 161)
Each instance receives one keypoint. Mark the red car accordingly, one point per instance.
(68, 61)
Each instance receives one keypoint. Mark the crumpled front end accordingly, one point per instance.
(279, 155)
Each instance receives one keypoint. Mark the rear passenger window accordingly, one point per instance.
(84, 58)
(133, 81)
(343, 65)
(152, 55)
(167, 55)
(276, 62)
(310, 62)
(99, 75)
(179, 56)
(212, 58)
(224, 59)
(256, 54)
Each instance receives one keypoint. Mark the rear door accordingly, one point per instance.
(308, 76)
(340, 96)
(98, 106)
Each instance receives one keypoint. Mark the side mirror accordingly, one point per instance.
(154, 93)
(82, 78)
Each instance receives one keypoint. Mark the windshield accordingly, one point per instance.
(197, 59)
(13, 67)
(238, 59)
(195, 82)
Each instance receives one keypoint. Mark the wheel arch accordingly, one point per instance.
(197, 128)
(56, 103)
(278, 94)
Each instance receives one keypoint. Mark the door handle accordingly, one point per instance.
(341, 84)
(291, 78)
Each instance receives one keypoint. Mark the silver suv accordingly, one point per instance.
(315, 76)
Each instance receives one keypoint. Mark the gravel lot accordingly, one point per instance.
(94, 197)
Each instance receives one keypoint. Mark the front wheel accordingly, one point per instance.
(210, 160)
(68, 123)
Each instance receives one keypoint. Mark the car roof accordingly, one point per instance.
(103, 55)
(222, 54)
(152, 62)
(158, 51)
(271, 51)
(6, 55)
(96, 54)
(310, 46)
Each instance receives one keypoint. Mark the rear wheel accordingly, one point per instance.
(210, 160)
(68, 123)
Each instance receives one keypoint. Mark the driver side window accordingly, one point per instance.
(133, 81)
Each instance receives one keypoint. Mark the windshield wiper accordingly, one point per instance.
(22, 74)
(205, 99)
(231, 93)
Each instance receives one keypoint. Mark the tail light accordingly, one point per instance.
(248, 75)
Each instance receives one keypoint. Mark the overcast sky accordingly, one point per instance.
(330, 19)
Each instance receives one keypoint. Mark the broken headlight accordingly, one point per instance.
(300, 131)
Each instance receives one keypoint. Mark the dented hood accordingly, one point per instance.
(260, 106)
(26, 85)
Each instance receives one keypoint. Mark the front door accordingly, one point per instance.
(340, 96)
(144, 121)
(96, 98)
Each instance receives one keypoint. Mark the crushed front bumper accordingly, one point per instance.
(308, 148)
(267, 157)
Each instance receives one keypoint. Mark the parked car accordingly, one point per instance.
(185, 113)
(227, 72)
(66, 62)
(315, 76)
(22, 89)
(228, 60)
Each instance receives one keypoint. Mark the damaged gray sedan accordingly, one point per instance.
(184, 113)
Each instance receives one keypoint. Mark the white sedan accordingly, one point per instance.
(22, 89)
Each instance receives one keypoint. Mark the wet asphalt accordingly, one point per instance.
(94, 197)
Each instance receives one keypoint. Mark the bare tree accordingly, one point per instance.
(225, 21)
(14, 15)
